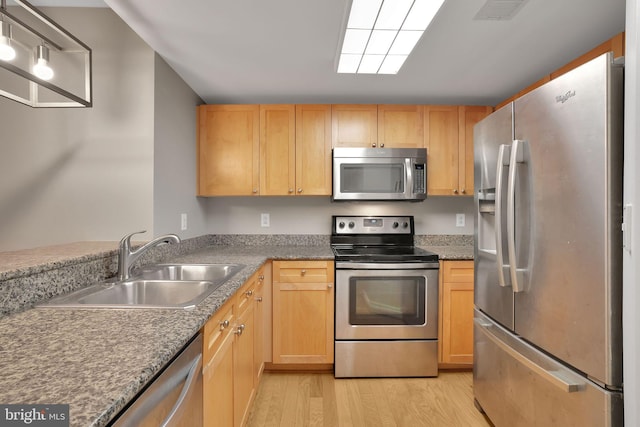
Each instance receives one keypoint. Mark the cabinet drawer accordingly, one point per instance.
(216, 329)
(246, 294)
(303, 271)
(458, 271)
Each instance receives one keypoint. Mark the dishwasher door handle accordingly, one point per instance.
(187, 390)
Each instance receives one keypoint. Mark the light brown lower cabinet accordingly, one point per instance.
(456, 314)
(303, 312)
(232, 360)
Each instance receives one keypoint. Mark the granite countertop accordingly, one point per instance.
(98, 360)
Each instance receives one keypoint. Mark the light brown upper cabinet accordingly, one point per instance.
(277, 149)
(354, 125)
(228, 150)
(448, 138)
(400, 126)
(313, 150)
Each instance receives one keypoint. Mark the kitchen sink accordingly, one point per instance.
(209, 272)
(174, 286)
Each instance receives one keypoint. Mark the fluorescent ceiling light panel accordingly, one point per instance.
(392, 14)
(380, 42)
(392, 64)
(355, 41)
(370, 64)
(363, 13)
(349, 63)
(379, 28)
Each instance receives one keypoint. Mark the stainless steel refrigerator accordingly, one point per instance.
(548, 246)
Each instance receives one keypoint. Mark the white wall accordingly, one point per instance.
(312, 215)
(82, 174)
(174, 186)
(631, 256)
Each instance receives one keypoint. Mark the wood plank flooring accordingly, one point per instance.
(320, 400)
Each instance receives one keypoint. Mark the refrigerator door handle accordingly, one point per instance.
(503, 160)
(518, 277)
(554, 377)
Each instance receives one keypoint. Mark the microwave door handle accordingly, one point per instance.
(408, 165)
(517, 156)
(503, 160)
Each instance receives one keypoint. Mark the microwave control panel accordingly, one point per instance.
(419, 178)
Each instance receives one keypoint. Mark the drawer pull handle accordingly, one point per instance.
(240, 330)
(259, 299)
(224, 325)
(249, 293)
(303, 272)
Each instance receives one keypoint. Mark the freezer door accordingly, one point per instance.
(566, 174)
(518, 386)
(492, 140)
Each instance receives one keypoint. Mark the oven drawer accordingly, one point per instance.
(303, 271)
(405, 358)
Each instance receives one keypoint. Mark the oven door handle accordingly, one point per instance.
(387, 266)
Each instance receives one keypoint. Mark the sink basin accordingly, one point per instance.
(215, 273)
(160, 286)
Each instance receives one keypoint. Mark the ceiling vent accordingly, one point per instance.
(499, 10)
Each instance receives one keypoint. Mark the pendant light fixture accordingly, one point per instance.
(7, 52)
(41, 63)
(41, 68)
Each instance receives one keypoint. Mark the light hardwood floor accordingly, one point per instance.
(295, 399)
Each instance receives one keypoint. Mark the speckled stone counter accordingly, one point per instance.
(98, 360)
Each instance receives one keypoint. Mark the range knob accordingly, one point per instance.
(352, 224)
(395, 224)
(341, 224)
(405, 224)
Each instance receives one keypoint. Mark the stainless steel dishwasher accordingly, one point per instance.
(174, 398)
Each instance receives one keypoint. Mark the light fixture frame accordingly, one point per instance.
(34, 82)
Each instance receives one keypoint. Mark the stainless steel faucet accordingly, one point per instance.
(126, 256)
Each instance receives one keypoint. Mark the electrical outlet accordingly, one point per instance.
(265, 220)
(183, 221)
(460, 220)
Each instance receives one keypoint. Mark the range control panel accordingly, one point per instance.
(372, 225)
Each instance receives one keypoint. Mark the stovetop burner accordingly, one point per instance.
(376, 239)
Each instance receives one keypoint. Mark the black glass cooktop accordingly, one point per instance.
(383, 253)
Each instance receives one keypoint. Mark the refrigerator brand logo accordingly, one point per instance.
(564, 98)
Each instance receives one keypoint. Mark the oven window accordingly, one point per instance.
(387, 301)
(372, 178)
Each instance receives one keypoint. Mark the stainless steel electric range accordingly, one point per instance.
(386, 299)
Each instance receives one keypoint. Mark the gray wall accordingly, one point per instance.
(127, 164)
(174, 172)
(82, 174)
(312, 215)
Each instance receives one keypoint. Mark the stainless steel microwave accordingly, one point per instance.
(380, 174)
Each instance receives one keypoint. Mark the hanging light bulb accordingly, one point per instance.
(41, 68)
(7, 52)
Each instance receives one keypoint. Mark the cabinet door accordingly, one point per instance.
(354, 125)
(218, 385)
(457, 313)
(442, 143)
(303, 300)
(400, 126)
(277, 150)
(469, 116)
(228, 150)
(243, 382)
(313, 150)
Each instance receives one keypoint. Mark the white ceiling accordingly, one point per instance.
(284, 51)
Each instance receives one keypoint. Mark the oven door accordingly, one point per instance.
(386, 302)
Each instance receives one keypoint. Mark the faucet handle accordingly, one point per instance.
(126, 240)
